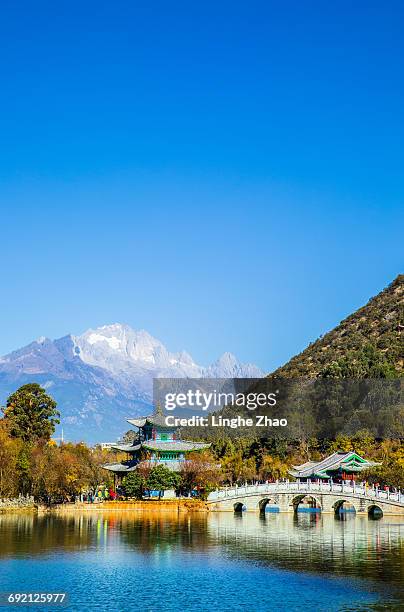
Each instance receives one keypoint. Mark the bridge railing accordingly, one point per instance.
(273, 488)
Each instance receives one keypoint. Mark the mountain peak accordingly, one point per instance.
(100, 376)
(228, 366)
(227, 357)
(42, 340)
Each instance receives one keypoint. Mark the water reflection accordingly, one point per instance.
(28, 533)
(344, 546)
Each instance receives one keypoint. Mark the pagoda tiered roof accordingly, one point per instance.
(127, 448)
(157, 418)
(340, 460)
(127, 466)
(163, 446)
(140, 422)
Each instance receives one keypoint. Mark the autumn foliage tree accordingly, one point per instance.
(201, 471)
(10, 449)
(238, 468)
(272, 468)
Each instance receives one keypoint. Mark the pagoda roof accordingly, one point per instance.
(158, 418)
(174, 445)
(120, 467)
(127, 448)
(137, 422)
(349, 461)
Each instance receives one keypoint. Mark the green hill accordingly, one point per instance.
(368, 343)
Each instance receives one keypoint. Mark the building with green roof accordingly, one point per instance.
(156, 442)
(339, 466)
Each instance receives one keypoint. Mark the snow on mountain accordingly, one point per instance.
(104, 375)
(118, 348)
(227, 366)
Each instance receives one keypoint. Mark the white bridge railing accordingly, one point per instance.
(371, 493)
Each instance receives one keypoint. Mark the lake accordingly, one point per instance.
(162, 560)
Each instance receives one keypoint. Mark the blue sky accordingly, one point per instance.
(227, 176)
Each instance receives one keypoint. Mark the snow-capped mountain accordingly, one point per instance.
(105, 375)
(120, 349)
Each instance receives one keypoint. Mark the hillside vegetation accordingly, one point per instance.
(368, 343)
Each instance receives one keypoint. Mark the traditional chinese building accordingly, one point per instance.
(339, 466)
(155, 442)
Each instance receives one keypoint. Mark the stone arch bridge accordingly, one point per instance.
(286, 497)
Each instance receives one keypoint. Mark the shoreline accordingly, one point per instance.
(176, 505)
(180, 505)
(16, 510)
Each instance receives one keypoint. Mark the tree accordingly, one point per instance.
(31, 413)
(200, 471)
(10, 449)
(134, 484)
(63, 472)
(48, 473)
(367, 362)
(129, 436)
(391, 471)
(23, 470)
(238, 468)
(272, 468)
(162, 478)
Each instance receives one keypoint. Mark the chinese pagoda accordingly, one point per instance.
(339, 466)
(156, 442)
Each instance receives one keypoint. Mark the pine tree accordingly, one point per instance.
(31, 413)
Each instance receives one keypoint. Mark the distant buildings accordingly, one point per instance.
(107, 445)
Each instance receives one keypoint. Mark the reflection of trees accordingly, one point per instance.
(354, 547)
(28, 534)
(164, 530)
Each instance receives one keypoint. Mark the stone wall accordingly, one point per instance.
(17, 503)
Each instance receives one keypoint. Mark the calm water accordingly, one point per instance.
(165, 561)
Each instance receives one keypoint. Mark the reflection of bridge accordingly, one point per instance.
(328, 497)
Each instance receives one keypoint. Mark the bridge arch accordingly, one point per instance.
(263, 503)
(311, 500)
(344, 505)
(374, 511)
(239, 507)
